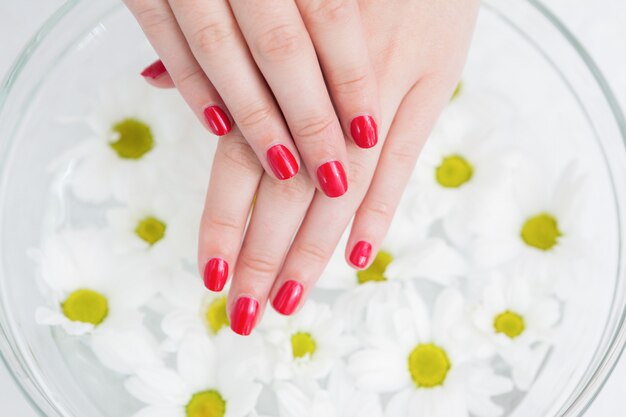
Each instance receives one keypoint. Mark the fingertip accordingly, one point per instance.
(288, 297)
(360, 255)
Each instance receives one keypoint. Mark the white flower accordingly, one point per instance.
(134, 126)
(91, 292)
(517, 324)
(424, 362)
(538, 227)
(156, 228)
(193, 308)
(307, 344)
(340, 399)
(211, 378)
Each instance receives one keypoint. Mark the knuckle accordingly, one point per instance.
(375, 208)
(329, 11)
(240, 154)
(321, 127)
(261, 263)
(353, 81)
(296, 192)
(403, 152)
(223, 223)
(210, 37)
(191, 74)
(149, 14)
(252, 115)
(313, 252)
(360, 173)
(279, 43)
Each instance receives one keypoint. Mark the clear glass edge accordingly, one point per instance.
(598, 379)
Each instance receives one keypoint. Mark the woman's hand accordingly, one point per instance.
(259, 60)
(419, 47)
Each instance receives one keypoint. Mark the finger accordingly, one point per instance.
(278, 210)
(159, 24)
(284, 53)
(336, 31)
(156, 75)
(218, 46)
(235, 176)
(404, 143)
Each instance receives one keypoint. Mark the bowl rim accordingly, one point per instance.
(589, 391)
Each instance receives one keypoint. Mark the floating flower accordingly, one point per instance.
(340, 399)
(538, 227)
(517, 324)
(212, 378)
(134, 127)
(424, 362)
(308, 343)
(91, 292)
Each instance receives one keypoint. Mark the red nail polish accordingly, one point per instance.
(243, 315)
(288, 297)
(217, 120)
(154, 70)
(332, 179)
(282, 162)
(215, 274)
(360, 254)
(364, 131)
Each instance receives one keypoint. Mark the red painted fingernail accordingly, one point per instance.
(217, 120)
(243, 316)
(332, 179)
(215, 274)
(288, 297)
(154, 70)
(361, 254)
(364, 131)
(282, 162)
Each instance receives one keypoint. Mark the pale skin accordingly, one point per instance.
(416, 50)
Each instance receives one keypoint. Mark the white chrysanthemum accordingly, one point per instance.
(157, 229)
(212, 378)
(424, 362)
(134, 126)
(517, 324)
(340, 399)
(193, 308)
(307, 344)
(91, 292)
(538, 227)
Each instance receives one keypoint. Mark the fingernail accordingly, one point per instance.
(288, 297)
(332, 179)
(215, 274)
(217, 120)
(361, 254)
(282, 162)
(364, 131)
(243, 315)
(154, 70)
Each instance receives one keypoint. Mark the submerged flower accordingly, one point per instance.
(424, 362)
(211, 379)
(517, 324)
(307, 344)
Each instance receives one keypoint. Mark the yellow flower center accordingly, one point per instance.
(302, 344)
(510, 324)
(150, 230)
(376, 271)
(541, 231)
(216, 315)
(454, 171)
(134, 139)
(206, 404)
(428, 365)
(86, 306)
(457, 90)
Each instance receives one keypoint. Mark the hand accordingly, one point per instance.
(419, 48)
(259, 60)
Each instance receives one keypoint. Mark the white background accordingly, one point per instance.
(599, 24)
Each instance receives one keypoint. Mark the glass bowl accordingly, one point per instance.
(86, 43)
